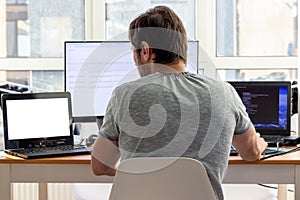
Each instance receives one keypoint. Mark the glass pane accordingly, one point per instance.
(35, 81)
(49, 81)
(121, 12)
(201, 71)
(36, 28)
(20, 78)
(257, 28)
(258, 74)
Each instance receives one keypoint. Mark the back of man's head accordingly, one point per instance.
(163, 30)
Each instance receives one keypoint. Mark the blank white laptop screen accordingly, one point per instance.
(37, 118)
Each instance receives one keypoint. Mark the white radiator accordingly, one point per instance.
(29, 191)
(25, 191)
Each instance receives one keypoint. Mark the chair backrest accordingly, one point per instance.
(161, 178)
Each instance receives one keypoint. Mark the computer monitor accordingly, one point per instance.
(94, 68)
(267, 104)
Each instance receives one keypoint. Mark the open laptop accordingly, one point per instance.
(268, 105)
(39, 125)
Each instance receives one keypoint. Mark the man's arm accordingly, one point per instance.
(105, 156)
(249, 144)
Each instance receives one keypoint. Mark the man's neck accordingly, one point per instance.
(169, 68)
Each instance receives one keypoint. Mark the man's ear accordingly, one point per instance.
(146, 52)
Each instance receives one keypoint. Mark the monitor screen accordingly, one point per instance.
(94, 68)
(267, 104)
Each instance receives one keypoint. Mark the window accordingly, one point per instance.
(37, 28)
(32, 33)
(233, 35)
(258, 74)
(120, 13)
(257, 28)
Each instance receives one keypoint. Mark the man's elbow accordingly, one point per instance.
(103, 171)
(98, 172)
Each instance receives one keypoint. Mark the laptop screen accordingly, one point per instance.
(268, 105)
(37, 118)
(31, 118)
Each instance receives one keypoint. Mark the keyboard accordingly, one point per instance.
(273, 140)
(233, 152)
(61, 150)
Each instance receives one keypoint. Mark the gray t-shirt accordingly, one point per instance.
(177, 115)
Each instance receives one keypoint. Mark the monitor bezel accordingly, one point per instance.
(30, 142)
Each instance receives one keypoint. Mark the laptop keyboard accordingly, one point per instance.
(267, 151)
(49, 150)
(273, 139)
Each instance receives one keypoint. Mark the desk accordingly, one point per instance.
(69, 169)
(280, 170)
(283, 169)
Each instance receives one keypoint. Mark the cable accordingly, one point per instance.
(267, 186)
(272, 187)
(280, 153)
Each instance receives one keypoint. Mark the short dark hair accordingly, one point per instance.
(163, 30)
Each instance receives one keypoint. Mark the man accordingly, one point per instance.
(171, 112)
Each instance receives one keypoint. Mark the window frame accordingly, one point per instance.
(205, 32)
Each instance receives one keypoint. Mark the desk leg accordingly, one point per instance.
(282, 192)
(43, 191)
(297, 182)
(5, 185)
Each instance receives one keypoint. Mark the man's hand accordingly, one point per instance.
(249, 145)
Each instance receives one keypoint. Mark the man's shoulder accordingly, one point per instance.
(211, 82)
(158, 78)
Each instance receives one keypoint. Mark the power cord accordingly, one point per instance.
(272, 187)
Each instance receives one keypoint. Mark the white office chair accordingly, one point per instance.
(161, 178)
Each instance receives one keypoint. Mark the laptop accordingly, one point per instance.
(39, 125)
(268, 105)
